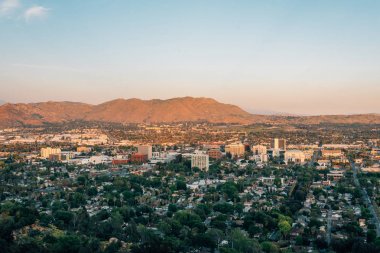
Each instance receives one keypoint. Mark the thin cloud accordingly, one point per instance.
(8, 6)
(35, 12)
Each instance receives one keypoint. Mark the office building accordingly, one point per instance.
(236, 149)
(279, 144)
(145, 150)
(46, 152)
(200, 161)
(295, 156)
(259, 150)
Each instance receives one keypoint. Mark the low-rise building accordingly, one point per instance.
(214, 153)
(296, 156)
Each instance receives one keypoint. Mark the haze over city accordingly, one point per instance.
(298, 57)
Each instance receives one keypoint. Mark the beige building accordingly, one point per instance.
(145, 150)
(236, 149)
(372, 169)
(279, 144)
(259, 150)
(83, 149)
(332, 153)
(46, 152)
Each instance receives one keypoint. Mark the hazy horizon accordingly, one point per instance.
(258, 111)
(295, 57)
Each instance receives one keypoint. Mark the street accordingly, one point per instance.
(366, 199)
(328, 234)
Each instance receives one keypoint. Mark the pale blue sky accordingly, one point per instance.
(307, 57)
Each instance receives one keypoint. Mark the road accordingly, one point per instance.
(366, 199)
(328, 234)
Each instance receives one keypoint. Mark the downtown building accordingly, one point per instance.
(278, 147)
(145, 150)
(259, 150)
(295, 156)
(47, 152)
(237, 149)
(215, 153)
(279, 144)
(200, 160)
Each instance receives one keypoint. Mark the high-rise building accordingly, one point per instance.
(200, 161)
(236, 149)
(46, 152)
(145, 150)
(279, 144)
(259, 150)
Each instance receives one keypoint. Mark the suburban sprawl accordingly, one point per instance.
(190, 187)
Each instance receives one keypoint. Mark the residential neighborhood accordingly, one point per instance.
(233, 194)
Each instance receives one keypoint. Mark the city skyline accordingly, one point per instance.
(169, 126)
(288, 57)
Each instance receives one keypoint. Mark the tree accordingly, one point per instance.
(204, 240)
(277, 182)
(371, 235)
(189, 219)
(181, 185)
(116, 222)
(219, 222)
(230, 189)
(76, 200)
(284, 227)
(224, 208)
(269, 247)
(172, 208)
(63, 218)
(216, 235)
(67, 244)
(242, 243)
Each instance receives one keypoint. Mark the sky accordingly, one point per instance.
(293, 56)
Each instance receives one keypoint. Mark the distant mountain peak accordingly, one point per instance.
(122, 110)
(134, 110)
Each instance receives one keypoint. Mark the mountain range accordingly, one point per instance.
(186, 109)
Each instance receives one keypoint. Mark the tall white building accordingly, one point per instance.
(279, 144)
(46, 152)
(145, 150)
(200, 161)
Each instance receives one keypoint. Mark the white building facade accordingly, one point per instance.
(200, 161)
(296, 156)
